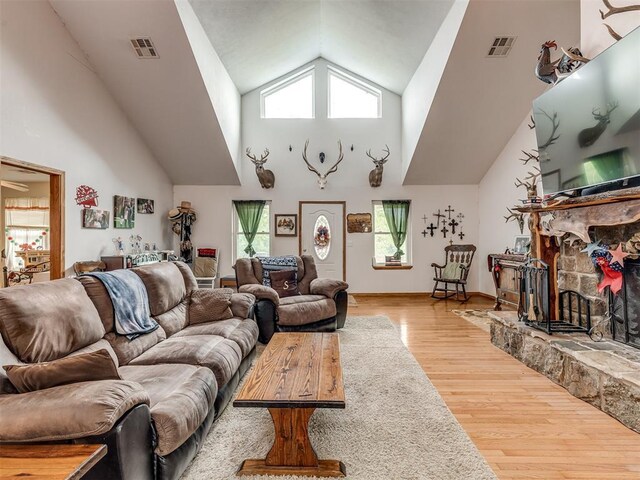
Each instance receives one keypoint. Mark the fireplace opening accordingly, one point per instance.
(624, 308)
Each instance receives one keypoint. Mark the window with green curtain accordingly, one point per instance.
(391, 228)
(250, 215)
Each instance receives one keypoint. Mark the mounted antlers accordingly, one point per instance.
(555, 124)
(266, 177)
(375, 175)
(322, 178)
(517, 217)
(530, 183)
(611, 10)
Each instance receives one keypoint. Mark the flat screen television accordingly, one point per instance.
(588, 125)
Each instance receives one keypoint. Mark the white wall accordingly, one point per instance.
(56, 112)
(594, 35)
(350, 183)
(421, 89)
(497, 191)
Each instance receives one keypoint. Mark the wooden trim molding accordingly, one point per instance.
(382, 266)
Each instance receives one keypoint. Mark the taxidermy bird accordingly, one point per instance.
(553, 72)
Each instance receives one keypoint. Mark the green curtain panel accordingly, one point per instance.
(396, 213)
(249, 213)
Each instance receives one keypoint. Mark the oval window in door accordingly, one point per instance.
(322, 237)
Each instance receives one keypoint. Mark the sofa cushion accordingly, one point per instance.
(46, 321)
(127, 350)
(175, 319)
(243, 331)
(98, 294)
(210, 304)
(85, 367)
(180, 398)
(165, 286)
(285, 282)
(301, 312)
(241, 304)
(220, 355)
(69, 411)
(190, 282)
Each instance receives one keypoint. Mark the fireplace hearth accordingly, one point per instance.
(624, 308)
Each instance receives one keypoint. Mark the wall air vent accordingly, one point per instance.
(501, 46)
(144, 48)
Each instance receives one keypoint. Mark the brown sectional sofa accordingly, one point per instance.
(175, 380)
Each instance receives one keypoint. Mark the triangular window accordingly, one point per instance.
(352, 98)
(290, 98)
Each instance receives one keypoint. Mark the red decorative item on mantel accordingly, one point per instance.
(612, 278)
(86, 196)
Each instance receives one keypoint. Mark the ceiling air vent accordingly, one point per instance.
(501, 46)
(144, 47)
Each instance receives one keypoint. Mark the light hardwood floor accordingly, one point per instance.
(526, 426)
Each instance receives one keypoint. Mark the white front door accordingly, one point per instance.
(322, 236)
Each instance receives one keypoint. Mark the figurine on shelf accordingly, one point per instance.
(119, 244)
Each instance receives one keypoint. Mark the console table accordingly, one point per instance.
(504, 270)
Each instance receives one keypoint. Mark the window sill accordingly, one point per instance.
(382, 266)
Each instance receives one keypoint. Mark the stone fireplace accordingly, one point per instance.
(602, 368)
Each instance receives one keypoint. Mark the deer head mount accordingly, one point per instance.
(266, 177)
(322, 177)
(375, 175)
(589, 136)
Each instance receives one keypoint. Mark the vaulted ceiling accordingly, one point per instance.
(382, 40)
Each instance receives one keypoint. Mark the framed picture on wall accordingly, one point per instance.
(145, 205)
(94, 218)
(286, 225)
(124, 212)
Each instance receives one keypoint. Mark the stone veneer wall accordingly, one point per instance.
(576, 270)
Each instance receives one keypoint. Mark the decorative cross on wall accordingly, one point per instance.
(460, 216)
(438, 216)
(425, 219)
(444, 231)
(461, 235)
(453, 224)
(431, 228)
(449, 211)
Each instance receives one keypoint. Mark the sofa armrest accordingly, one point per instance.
(260, 292)
(327, 287)
(68, 411)
(242, 305)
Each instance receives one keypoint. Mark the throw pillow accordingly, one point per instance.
(208, 305)
(85, 367)
(285, 282)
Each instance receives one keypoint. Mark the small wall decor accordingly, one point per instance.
(553, 72)
(145, 205)
(86, 196)
(286, 225)
(515, 216)
(124, 213)
(322, 177)
(375, 175)
(266, 177)
(359, 223)
(449, 224)
(94, 218)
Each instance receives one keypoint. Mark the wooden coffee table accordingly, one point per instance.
(296, 373)
(50, 462)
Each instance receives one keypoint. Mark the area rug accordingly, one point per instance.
(480, 318)
(395, 426)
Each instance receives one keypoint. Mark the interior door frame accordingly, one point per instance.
(56, 211)
(344, 227)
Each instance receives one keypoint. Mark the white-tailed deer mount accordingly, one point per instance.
(266, 177)
(375, 175)
(322, 178)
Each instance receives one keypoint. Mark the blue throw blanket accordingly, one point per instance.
(130, 302)
(270, 264)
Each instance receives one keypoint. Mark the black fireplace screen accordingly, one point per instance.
(624, 308)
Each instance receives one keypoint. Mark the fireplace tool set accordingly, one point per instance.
(534, 307)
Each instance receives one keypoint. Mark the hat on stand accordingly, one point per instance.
(184, 208)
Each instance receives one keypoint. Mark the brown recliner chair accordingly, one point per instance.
(320, 307)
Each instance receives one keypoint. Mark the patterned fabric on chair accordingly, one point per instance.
(455, 271)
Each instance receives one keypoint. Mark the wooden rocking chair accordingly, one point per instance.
(455, 270)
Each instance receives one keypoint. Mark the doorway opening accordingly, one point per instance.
(32, 222)
(323, 236)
